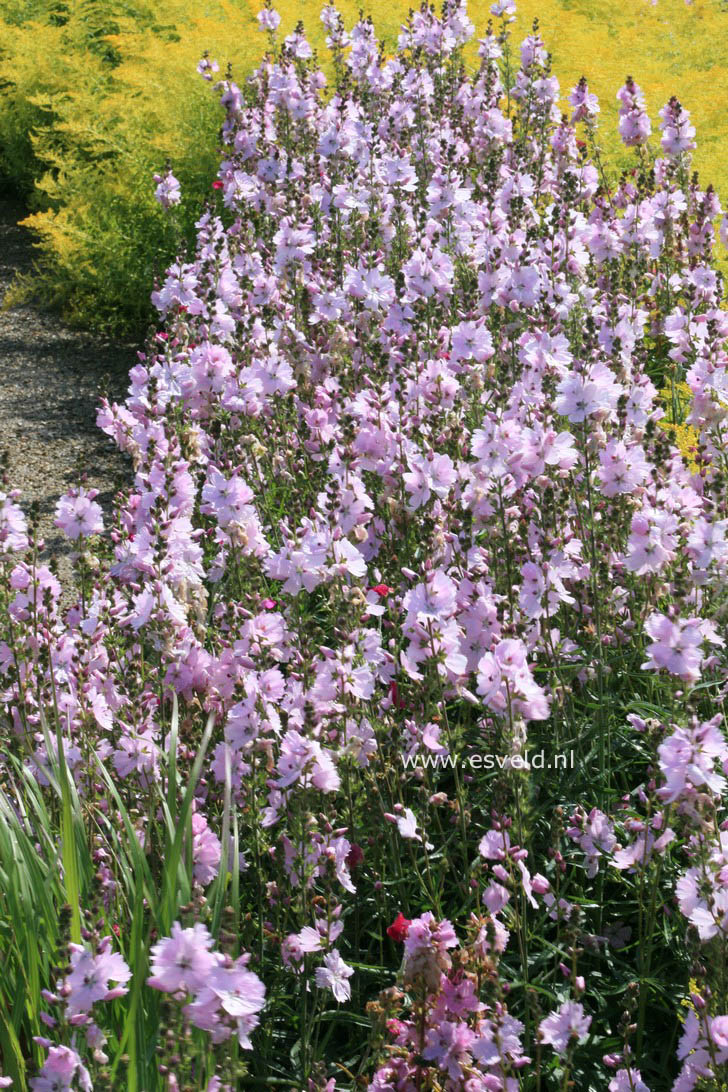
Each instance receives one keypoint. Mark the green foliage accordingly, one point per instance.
(47, 871)
(96, 98)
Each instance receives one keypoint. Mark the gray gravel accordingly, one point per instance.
(51, 379)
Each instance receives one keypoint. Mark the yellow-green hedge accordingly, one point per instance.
(670, 47)
(98, 94)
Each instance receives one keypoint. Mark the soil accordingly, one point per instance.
(51, 379)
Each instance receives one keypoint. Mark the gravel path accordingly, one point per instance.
(50, 382)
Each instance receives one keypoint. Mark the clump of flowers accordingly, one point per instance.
(400, 503)
(449, 1037)
(227, 996)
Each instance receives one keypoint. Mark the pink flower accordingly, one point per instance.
(634, 124)
(627, 1080)
(495, 897)
(586, 394)
(182, 962)
(334, 976)
(564, 1026)
(448, 1045)
(719, 1031)
(494, 845)
(428, 474)
(688, 757)
(677, 646)
(622, 468)
(13, 527)
(61, 1068)
(78, 514)
(653, 538)
(432, 601)
(678, 135)
(90, 977)
(503, 8)
(407, 827)
(595, 837)
(168, 191)
(585, 103)
(269, 19)
(206, 850)
(471, 342)
(426, 949)
(230, 999)
(307, 761)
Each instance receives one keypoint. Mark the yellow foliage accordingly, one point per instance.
(677, 399)
(96, 94)
(669, 47)
(91, 112)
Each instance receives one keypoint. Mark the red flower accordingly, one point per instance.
(382, 590)
(394, 695)
(217, 184)
(355, 856)
(399, 928)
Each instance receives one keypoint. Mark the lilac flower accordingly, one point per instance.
(90, 977)
(182, 962)
(627, 1080)
(585, 102)
(622, 469)
(307, 761)
(206, 850)
(449, 1046)
(207, 68)
(426, 949)
(433, 601)
(677, 132)
(61, 1068)
(13, 527)
(230, 1002)
(495, 845)
(78, 515)
(696, 1053)
(634, 124)
(688, 757)
(137, 754)
(398, 468)
(582, 395)
(168, 191)
(408, 827)
(495, 897)
(702, 891)
(719, 1031)
(638, 853)
(269, 19)
(652, 542)
(567, 1025)
(334, 976)
(503, 8)
(471, 342)
(677, 646)
(595, 835)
